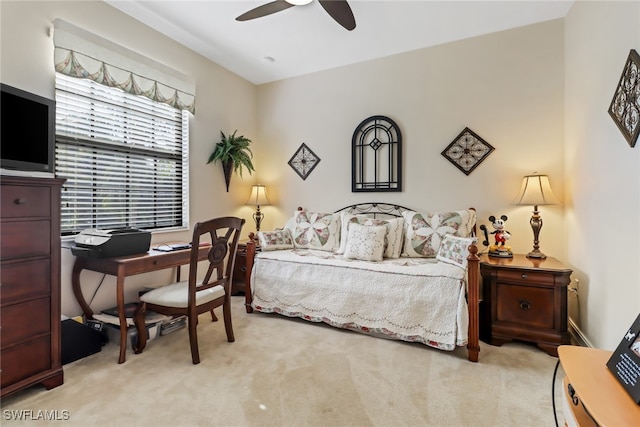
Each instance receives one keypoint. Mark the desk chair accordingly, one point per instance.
(193, 297)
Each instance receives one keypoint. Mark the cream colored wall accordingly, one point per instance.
(224, 102)
(507, 87)
(602, 171)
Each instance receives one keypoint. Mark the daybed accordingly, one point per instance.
(374, 268)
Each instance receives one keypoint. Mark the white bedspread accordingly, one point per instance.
(411, 299)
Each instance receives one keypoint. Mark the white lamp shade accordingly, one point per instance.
(299, 2)
(535, 191)
(258, 196)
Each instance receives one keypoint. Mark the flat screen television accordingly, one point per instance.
(27, 128)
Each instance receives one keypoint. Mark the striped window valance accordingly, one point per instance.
(79, 53)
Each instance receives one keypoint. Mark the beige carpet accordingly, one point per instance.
(284, 372)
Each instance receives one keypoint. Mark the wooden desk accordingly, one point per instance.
(121, 267)
(599, 390)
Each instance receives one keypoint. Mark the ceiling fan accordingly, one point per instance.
(339, 10)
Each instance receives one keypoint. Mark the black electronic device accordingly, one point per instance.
(94, 243)
(27, 134)
(79, 340)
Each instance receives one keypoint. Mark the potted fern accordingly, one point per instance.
(234, 154)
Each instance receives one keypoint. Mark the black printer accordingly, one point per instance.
(94, 243)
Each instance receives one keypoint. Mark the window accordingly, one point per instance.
(125, 159)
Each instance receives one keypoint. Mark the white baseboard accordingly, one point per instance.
(578, 335)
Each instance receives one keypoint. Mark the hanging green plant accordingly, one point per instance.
(234, 154)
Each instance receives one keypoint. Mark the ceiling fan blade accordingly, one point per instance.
(340, 11)
(264, 10)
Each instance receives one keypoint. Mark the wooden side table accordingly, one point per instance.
(595, 392)
(524, 299)
(238, 285)
(241, 283)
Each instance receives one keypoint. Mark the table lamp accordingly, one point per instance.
(536, 191)
(258, 198)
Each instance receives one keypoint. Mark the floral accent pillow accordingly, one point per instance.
(275, 240)
(424, 231)
(365, 242)
(312, 230)
(393, 237)
(454, 250)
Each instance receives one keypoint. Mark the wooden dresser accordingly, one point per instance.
(30, 351)
(524, 299)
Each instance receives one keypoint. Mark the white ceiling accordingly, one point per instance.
(305, 39)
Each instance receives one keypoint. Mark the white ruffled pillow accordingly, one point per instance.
(345, 220)
(393, 237)
(365, 242)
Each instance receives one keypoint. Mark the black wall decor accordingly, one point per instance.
(376, 156)
(467, 151)
(625, 106)
(304, 161)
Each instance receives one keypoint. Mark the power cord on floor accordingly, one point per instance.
(553, 392)
(574, 398)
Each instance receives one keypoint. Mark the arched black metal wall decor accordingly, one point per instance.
(376, 156)
(467, 151)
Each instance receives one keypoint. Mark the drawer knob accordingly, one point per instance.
(525, 305)
(524, 276)
(243, 269)
(20, 201)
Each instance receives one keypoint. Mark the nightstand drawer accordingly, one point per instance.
(525, 305)
(524, 277)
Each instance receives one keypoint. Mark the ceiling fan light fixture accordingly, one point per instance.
(299, 2)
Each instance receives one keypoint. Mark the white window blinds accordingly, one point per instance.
(124, 156)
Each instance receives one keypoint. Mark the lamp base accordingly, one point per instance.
(536, 254)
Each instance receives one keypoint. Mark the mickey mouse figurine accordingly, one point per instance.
(499, 249)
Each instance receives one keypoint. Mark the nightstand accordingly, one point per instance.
(524, 299)
(239, 270)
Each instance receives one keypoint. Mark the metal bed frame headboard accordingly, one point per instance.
(375, 209)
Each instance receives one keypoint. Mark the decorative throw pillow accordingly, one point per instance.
(345, 220)
(393, 238)
(275, 240)
(454, 250)
(314, 230)
(424, 232)
(365, 242)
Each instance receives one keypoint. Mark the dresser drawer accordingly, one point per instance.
(525, 305)
(524, 277)
(22, 361)
(25, 320)
(18, 201)
(25, 238)
(22, 280)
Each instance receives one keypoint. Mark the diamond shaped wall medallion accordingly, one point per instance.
(467, 151)
(625, 106)
(304, 161)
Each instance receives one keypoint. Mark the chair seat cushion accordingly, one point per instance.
(176, 295)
